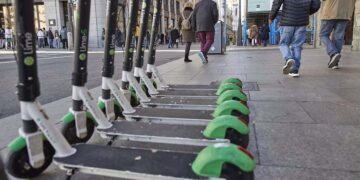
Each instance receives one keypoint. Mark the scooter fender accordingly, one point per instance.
(236, 81)
(228, 106)
(230, 95)
(227, 86)
(210, 160)
(217, 127)
(69, 117)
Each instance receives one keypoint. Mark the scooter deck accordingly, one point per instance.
(171, 116)
(160, 133)
(181, 102)
(129, 162)
(188, 93)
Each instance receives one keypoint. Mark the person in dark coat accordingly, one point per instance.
(264, 34)
(188, 35)
(46, 43)
(295, 18)
(174, 35)
(51, 38)
(204, 18)
(119, 38)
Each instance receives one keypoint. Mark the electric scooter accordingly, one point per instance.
(79, 125)
(230, 89)
(173, 116)
(40, 141)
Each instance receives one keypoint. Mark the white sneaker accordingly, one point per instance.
(202, 57)
(287, 68)
(295, 75)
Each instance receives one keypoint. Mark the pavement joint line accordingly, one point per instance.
(308, 168)
(307, 113)
(305, 123)
(256, 143)
(45, 58)
(264, 100)
(95, 51)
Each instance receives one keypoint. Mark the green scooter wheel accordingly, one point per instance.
(69, 131)
(117, 110)
(231, 172)
(134, 101)
(18, 164)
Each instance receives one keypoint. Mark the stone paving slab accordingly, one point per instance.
(290, 173)
(349, 94)
(333, 113)
(331, 147)
(278, 112)
(286, 94)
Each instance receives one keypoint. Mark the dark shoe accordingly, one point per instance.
(187, 60)
(294, 73)
(334, 60)
(287, 68)
(336, 66)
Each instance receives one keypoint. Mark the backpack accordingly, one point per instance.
(186, 24)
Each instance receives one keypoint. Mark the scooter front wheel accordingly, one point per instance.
(69, 132)
(117, 110)
(237, 138)
(231, 172)
(18, 164)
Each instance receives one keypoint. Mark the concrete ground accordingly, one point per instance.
(306, 128)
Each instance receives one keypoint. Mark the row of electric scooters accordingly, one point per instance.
(143, 109)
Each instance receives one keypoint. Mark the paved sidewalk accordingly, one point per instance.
(302, 129)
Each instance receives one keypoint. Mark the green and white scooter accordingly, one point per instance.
(40, 141)
(79, 124)
(166, 116)
(230, 89)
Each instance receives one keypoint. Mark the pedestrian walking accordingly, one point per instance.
(51, 38)
(57, 39)
(147, 40)
(103, 37)
(137, 34)
(248, 36)
(119, 39)
(170, 43)
(188, 35)
(174, 36)
(254, 33)
(41, 35)
(295, 18)
(2, 38)
(46, 42)
(335, 16)
(8, 38)
(63, 37)
(264, 34)
(204, 18)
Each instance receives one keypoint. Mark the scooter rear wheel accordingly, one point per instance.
(18, 164)
(69, 131)
(237, 138)
(231, 172)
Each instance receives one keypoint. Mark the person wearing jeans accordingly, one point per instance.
(334, 19)
(204, 18)
(291, 44)
(295, 18)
